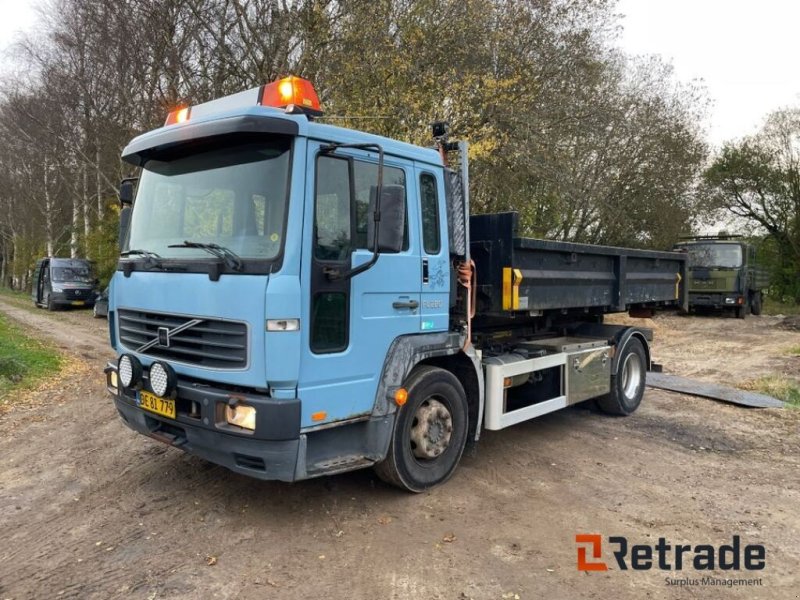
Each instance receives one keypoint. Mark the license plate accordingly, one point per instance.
(156, 404)
(77, 303)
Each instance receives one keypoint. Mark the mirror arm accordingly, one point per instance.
(333, 273)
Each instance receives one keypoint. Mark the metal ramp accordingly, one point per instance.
(724, 393)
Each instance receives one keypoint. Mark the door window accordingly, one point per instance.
(332, 220)
(429, 205)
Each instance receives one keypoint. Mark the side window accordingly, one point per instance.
(332, 219)
(429, 205)
(366, 177)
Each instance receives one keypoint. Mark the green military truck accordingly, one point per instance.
(724, 274)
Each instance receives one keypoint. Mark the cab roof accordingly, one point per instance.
(241, 114)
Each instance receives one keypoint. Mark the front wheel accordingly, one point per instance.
(430, 432)
(756, 303)
(627, 386)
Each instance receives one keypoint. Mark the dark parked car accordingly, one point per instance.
(100, 309)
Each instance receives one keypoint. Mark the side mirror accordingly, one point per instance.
(392, 228)
(124, 224)
(126, 191)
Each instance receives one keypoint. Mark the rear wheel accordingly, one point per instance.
(430, 431)
(756, 303)
(627, 386)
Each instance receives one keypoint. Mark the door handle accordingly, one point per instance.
(412, 304)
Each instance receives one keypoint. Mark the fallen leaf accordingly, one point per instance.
(211, 560)
(449, 538)
(384, 520)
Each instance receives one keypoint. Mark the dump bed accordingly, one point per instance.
(538, 277)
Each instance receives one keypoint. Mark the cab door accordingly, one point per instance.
(352, 322)
(36, 288)
(435, 263)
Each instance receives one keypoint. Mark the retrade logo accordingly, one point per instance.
(666, 556)
(594, 542)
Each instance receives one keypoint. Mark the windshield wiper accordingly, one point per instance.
(151, 258)
(229, 257)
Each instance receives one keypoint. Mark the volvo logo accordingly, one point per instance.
(164, 334)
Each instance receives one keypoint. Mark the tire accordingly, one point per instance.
(435, 398)
(51, 306)
(756, 303)
(627, 386)
(94, 312)
(741, 311)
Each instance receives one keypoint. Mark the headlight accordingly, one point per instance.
(242, 416)
(162, 379)
(130, 370)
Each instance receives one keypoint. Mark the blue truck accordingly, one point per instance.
(295, 299)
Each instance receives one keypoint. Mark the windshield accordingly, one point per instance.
(726, 256)
(72, 274)
(233, 196)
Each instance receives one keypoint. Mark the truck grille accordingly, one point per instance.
(212, 343)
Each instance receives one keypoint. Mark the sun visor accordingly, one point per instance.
(163, 141)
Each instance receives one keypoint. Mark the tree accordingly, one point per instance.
(587, 144)
(758, 180)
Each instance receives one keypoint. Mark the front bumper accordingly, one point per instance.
(276, 450)
(264, 459)
(715, 300)
(70, 297)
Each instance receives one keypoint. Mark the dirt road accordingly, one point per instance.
(89, 509)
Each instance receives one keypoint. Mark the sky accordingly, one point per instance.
(746, 52)
(15, 16)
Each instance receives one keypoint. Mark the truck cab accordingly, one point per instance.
(724, 274)
(63, 282)
(291, 201)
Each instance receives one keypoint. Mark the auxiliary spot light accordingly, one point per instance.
(163, 380)
(130, 370)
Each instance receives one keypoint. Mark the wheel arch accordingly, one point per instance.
(464, 369)
(622, 339)
(442, 350)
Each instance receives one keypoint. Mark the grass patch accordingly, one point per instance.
(776, 386)
(23, 361)
(4, 291)
(793, 351)
(775, 307)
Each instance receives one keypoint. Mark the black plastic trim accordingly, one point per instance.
(140, 150)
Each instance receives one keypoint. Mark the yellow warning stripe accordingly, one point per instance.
(515, 290)
(512, 278)
(506, 288)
